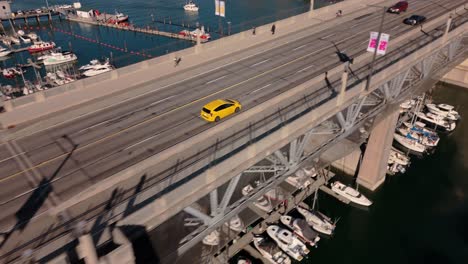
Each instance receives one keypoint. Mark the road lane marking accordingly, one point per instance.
(261, 88)
(308, 67)
(327, 36)
(300, 47)
(258, 63)
(212, 81)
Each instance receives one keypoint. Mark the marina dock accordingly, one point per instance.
(261, 220)
(148, 30)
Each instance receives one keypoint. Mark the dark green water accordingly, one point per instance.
(417, 217)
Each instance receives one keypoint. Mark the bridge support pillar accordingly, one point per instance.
(374, 165)
(344, 84)
(311, 5)
(87, 249)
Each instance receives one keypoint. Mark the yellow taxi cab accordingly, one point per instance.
(221, 108)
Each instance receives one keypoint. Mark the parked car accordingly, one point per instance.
(399, 7)
(414, 20)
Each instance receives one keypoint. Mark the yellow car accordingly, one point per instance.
(221, 108)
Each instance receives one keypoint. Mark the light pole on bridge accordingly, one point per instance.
(371, 71)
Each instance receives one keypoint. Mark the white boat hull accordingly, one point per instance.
(294, 247)
(409, 143)
(350, 193)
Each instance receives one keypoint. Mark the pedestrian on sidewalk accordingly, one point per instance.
(253, 31)
(177, 61)
(273, 28)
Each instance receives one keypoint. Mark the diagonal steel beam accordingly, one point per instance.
(282, 158)
(213, 201)
(228, 194)
(202, 216)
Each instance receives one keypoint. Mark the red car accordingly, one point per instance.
(398, 7)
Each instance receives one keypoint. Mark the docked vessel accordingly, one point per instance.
(55, 58)
(25, 38)
(99, 69)
(424, 139)
(409, 143)
(318, 221)
(41, 46)
(211, 239)
(262, 203)
(439, 122)
(444, 110)
(117, 18)
(236, 224)
(4, 52)
(204, 36)
(270, 250)
(191, 6)
(299, 179)
(11, 72)
(288, 242)
(398, 157)
(350, 193)
(301, 228)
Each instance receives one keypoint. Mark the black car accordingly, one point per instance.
(414, 20)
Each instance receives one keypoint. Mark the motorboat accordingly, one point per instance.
(15, 40)
(11, 72)
(438, 121)
(55, 58)
(409, 143)
(398, 158)
(274, 195)
(117, 18)
(444, 110)
(424, 139)
(393, 168)
(270, 250)
(310, 171)
(236, 224)
(243, 260)
(25, 39)
(407, 105)
(350, 193)
(32, 36)
(191, 6)
(262, 203)
(299, 179)
(90, 65)
(204, 36)
(98, 70)
(211, 239)
(301, 228)
(288, 242)
(318, 221)
(4, 52)
(39, 46)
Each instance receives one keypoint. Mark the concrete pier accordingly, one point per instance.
(374, 165)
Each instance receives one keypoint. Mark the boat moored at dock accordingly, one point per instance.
(301, 228)
(288, 242)
(41, 46)
(270, 250)
(318, 221)
(350, 193)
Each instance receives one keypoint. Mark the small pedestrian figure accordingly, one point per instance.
(177, 61)
(339, 13)
(253, 31)
(273, 28)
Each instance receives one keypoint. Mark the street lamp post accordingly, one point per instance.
(229, 27)
(371, 71)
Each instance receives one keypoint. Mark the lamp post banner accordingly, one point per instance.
(217, 7)
(222, 8)
(383, 43)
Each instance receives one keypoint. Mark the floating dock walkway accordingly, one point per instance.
(133, 28)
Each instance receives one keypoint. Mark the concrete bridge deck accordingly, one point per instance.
(98, 146)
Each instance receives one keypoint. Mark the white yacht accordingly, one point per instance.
(350, 193)
(438, 121)
(212, 239)
(98, 70)
(4, 52)
(444, 110)
(288, 242)
(299, 179)
(318, 221)
(262, 203)
(191, 6)
(406, 105)
(55, 58)
(236, 224)
(25, 38)
(90, 65)
(270, 250)
(301, 228)
(409, 143)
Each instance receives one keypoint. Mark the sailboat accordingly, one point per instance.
(301, 228)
